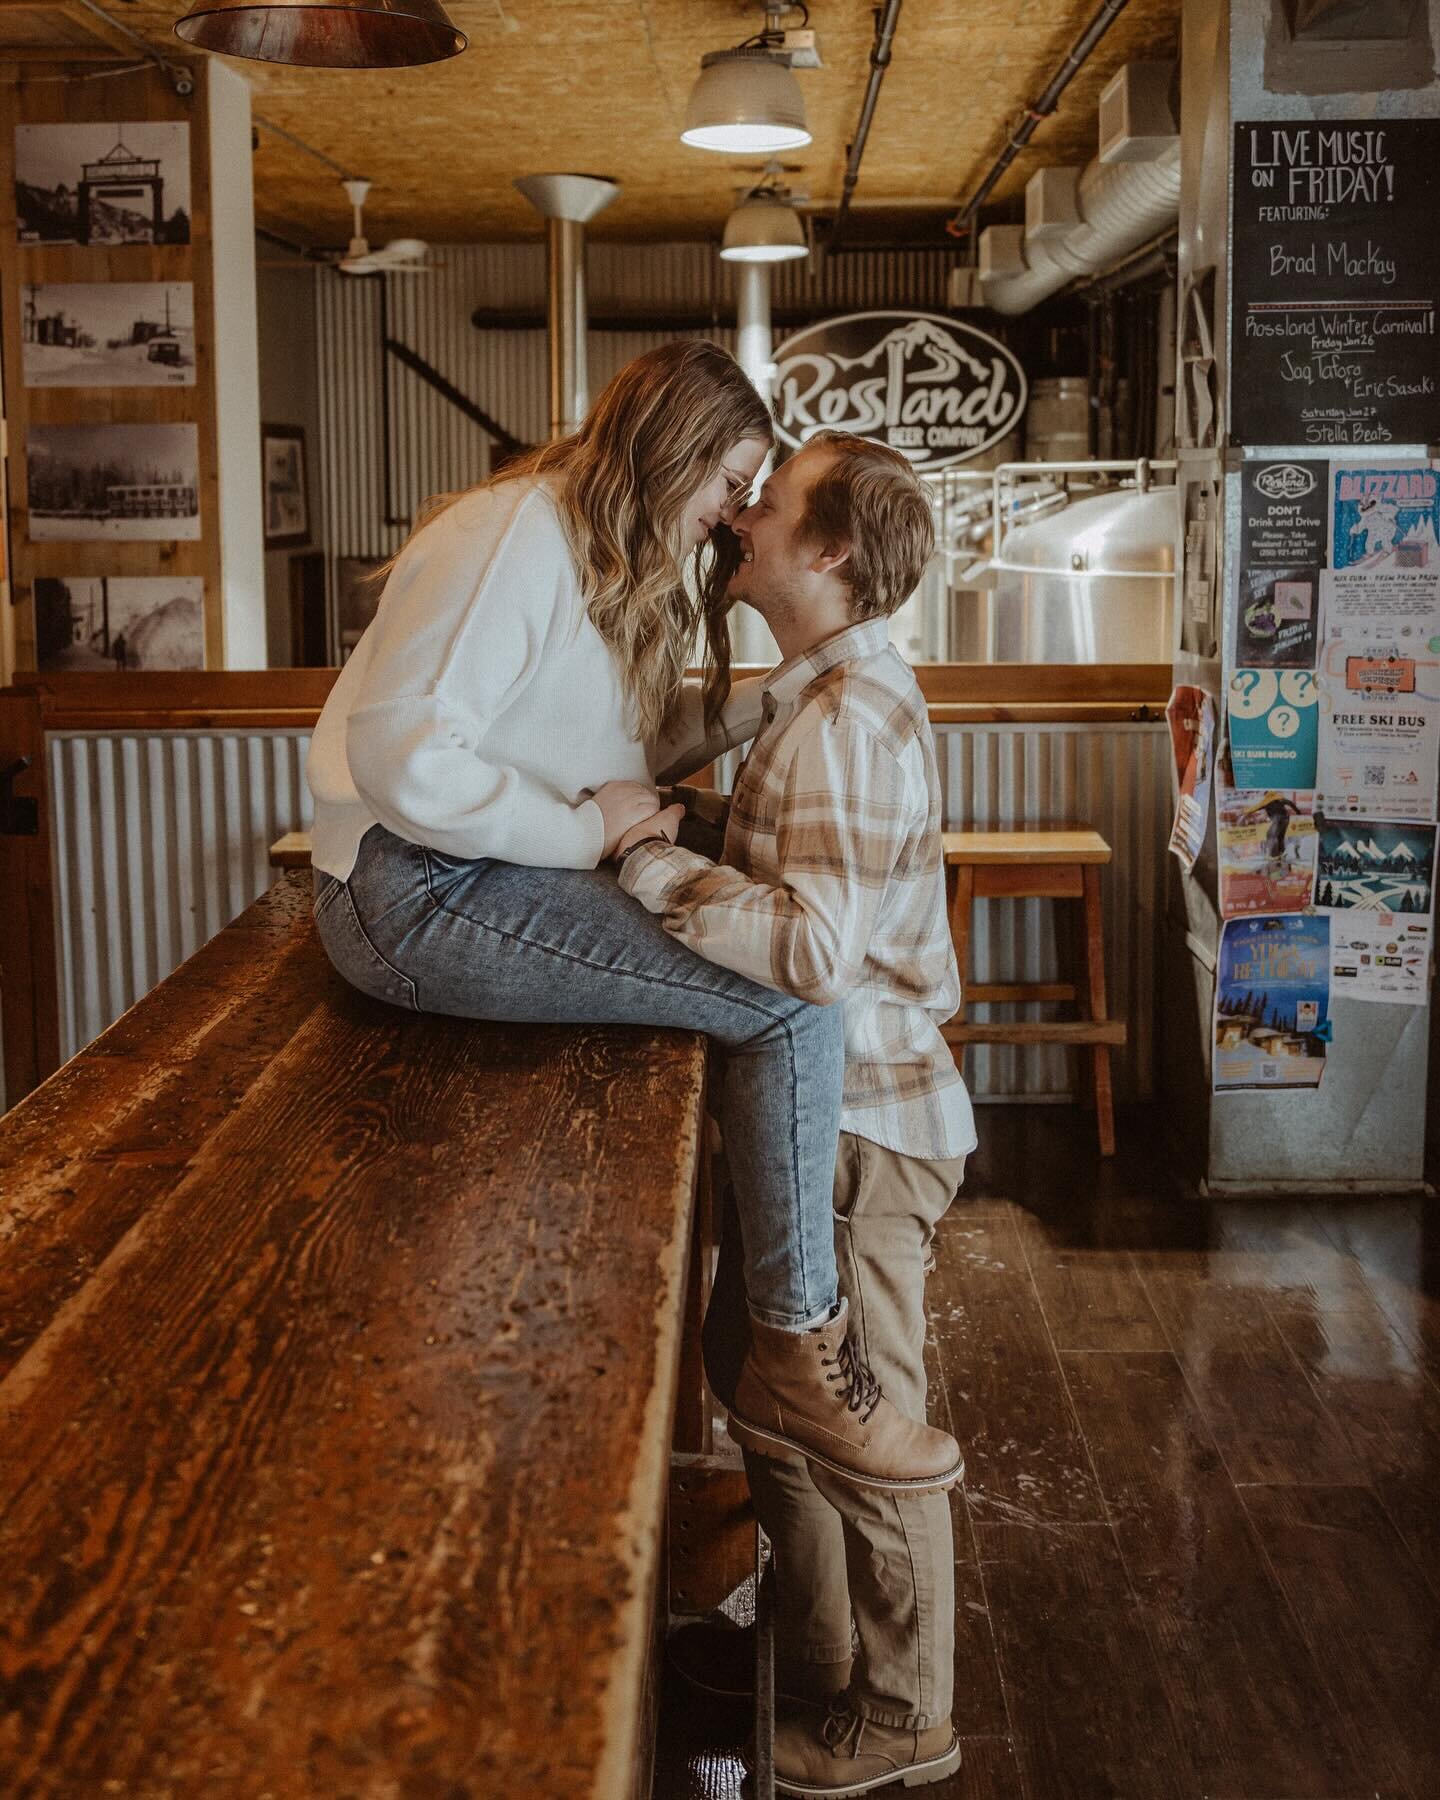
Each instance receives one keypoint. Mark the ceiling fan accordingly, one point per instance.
(401, 256)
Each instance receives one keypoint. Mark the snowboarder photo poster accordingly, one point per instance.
(1266, 843)
(1272, 1002)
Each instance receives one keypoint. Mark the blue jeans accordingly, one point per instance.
(497, 940)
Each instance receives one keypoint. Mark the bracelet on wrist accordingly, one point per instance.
(630, 849)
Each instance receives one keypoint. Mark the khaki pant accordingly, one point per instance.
(884, 1560)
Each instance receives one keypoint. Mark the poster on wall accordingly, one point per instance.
(1273, 724)
(108, 334)
(1336, 280)
(1191, 713)
(1266, 846)
(116, 482)
(1284, 518)
(1277, 617)
(103, 184)
(119, 623)
(1379, 734)
(1380, 957)
(1374, 865)
(1385, 517)
(1272, 1002)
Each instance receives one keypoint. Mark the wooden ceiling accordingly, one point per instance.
(599, 86)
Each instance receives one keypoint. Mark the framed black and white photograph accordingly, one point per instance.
(357, 595)
(108, 334)
(103, 184)
(287, 493)
(120, 623)
(116, 482)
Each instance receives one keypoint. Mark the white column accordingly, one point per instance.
(750, 638)
(237, 371)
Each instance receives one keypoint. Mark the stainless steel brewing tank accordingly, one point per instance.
(1092, 582)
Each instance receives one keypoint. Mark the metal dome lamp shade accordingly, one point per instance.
(324, 34)
(763, 228)
(745, 101)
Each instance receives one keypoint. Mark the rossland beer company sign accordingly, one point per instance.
(938, 391)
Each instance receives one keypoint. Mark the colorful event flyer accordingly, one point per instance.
(1384, 516)
(1374, 865)
(1273, 722)
(1276, 618)
(1272, 1002)
(1191, 713)
(1266, 851)
(1383, 957)
(1379, 746)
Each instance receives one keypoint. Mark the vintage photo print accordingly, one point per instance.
(108, 334)
(100, 622)
(286, 486)
(103, 184)
(117, 482)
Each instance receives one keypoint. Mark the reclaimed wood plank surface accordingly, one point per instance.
(337, 1465)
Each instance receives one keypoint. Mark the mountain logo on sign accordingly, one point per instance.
(1285, 481)
(937, 391)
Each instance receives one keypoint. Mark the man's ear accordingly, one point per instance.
(829, 558)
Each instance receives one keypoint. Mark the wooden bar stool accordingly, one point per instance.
(1024, 864)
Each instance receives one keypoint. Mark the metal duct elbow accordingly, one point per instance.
(1121, 206)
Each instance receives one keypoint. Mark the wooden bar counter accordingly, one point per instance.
(338, 1361)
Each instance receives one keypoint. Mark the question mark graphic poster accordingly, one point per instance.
(1274, 727)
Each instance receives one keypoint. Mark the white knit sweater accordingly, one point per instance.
(482, 707)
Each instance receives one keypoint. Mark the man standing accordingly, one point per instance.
(831, 887)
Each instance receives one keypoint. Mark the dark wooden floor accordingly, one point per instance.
(1199, 1538)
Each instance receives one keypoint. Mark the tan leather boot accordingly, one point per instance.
(808, 1395)
(844, 1755)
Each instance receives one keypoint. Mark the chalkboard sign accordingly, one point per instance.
(1336, 275)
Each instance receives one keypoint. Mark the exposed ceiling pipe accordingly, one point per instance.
(567, 202)
(963, 222)
(885, 23)
(1080, 223)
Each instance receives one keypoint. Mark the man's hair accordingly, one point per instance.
(871, 499)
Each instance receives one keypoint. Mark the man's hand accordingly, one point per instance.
(661, 824)
(623, 804)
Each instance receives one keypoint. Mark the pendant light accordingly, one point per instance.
(746, 101)
(764, 228)
(324, 34)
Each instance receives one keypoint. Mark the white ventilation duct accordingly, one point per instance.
(1129, 194)
(567, 203)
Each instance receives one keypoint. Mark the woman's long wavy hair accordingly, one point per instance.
(656, 435)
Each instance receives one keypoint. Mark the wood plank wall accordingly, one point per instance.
(34, 93)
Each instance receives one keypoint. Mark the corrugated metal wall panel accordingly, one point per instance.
(160, 840)
(434, 448)
(157, 843)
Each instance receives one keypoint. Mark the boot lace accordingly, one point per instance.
(840, 1724)
(861, 1392)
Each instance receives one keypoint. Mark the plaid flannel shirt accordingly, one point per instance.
(832, 885)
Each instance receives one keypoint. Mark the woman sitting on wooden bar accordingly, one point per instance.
(533, 632)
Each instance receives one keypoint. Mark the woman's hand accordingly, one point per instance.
(661, 824)
(623, 804)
